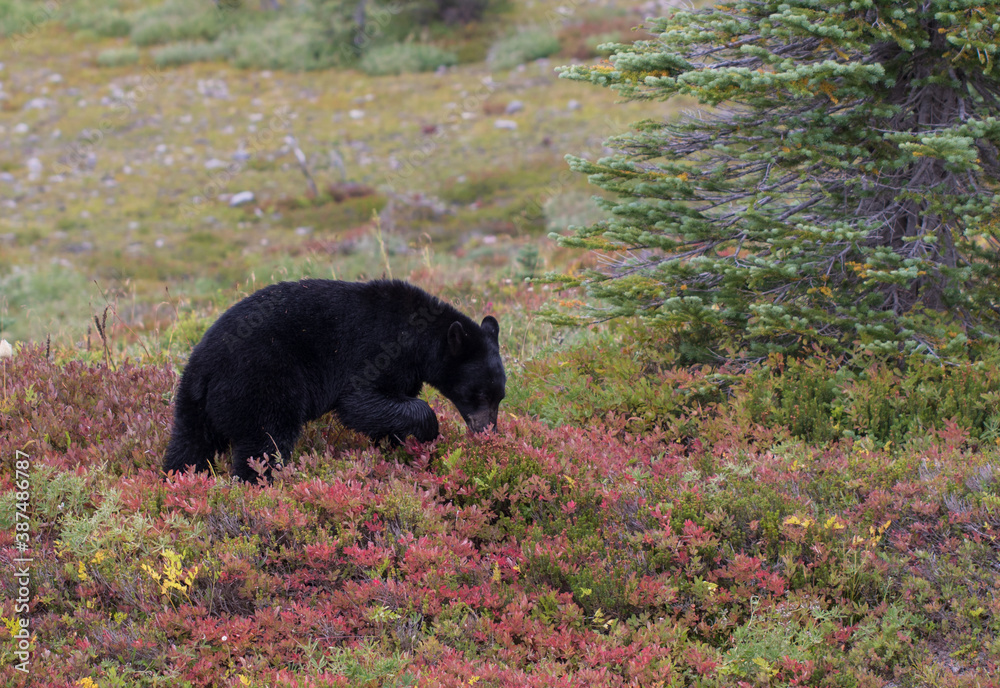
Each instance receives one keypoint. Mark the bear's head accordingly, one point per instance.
(476, 381)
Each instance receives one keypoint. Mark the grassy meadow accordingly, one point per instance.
(819, 522)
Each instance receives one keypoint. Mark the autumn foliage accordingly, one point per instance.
(695, 546)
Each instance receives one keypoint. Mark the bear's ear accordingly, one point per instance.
(456, 338)
(491, 327)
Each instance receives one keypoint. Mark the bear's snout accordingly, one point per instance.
(482, 421)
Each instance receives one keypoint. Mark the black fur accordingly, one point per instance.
(294, 351)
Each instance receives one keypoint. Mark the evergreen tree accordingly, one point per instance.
(840, 187)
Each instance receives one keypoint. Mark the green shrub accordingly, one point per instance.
(888, 404)
(824, 398)
(405, 57)
(19, 17)
(793, 394)
(292, 43)
(523, 47)
(177, 20)
(118, 57)
(102, 22)
(448, 11)
(185, 53)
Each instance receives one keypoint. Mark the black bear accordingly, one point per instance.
(294, 351)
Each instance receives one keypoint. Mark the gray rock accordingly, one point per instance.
(574, 105)
(505, 124)
(213, 88)
(34, 169)
(514, 107)
(81, 247)
(241, 198)
(215, 164)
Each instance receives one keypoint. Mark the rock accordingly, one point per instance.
(38, 104)
(81, 247)
(213, 88)
(241, 198)
(574, 105)
(34, 169)
(356, 114)
(505, 124)
(21, 128)
(303, 231)
(514, 107)
(215, 164)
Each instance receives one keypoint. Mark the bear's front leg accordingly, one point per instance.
(382, 417)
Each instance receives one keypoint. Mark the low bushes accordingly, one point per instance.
(400, 58)
(522, 47)
(118, 57)
(819, 399)
(584, 551)
(177, 54)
